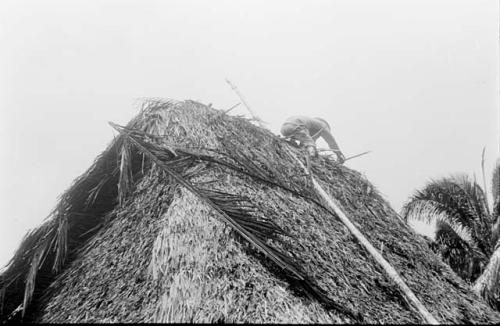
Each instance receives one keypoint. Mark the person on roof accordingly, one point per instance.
(307, 130)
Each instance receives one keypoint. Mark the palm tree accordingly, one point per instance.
(467, 232)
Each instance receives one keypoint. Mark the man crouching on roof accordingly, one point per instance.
(307, 130)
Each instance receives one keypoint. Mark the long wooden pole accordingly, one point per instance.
(254, 115)
(391, 272)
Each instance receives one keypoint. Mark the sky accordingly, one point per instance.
(413, 81)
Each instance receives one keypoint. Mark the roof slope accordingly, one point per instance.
(146, 235)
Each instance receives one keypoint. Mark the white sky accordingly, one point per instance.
(415, 82)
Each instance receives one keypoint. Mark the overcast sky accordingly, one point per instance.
(415, 82)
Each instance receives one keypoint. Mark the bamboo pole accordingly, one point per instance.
(391, 272)
(254, 115)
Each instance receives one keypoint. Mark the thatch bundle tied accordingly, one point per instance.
(194, 215)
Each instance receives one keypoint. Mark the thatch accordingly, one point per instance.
(195, 215)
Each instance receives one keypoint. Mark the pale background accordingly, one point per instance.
(415, 82)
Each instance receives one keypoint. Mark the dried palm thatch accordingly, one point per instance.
(195, 215)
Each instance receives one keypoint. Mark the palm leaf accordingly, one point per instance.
(488, 284)
(125, 177)
(476, 198)
(495, 231)
(61, 243)
(478, 208)
(429, 211)
(233, 158)
(36, 262)
(461, 199)
(244, 224)
(212, 203)
(463, 223)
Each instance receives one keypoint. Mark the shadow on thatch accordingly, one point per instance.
(194, 215)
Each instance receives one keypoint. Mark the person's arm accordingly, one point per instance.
(327, 136)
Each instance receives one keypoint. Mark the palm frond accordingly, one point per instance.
(242, 210)
(478, 206)
(233, 158)
(477, 198)
(125, 177)
(429, 211)
(462, 199)
(35, 264)
(463, 223)
(488, 284)
(93, 193)
(495, 231)
(255, 232)
(61, 243)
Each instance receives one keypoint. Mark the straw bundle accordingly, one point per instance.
(192, 215)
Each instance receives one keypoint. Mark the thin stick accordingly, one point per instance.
(484, 179)
(220, 114)
(349, 158)
(357, 155)
(232, 107)
(259, 120)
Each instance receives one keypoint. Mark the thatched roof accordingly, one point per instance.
(194, 215)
